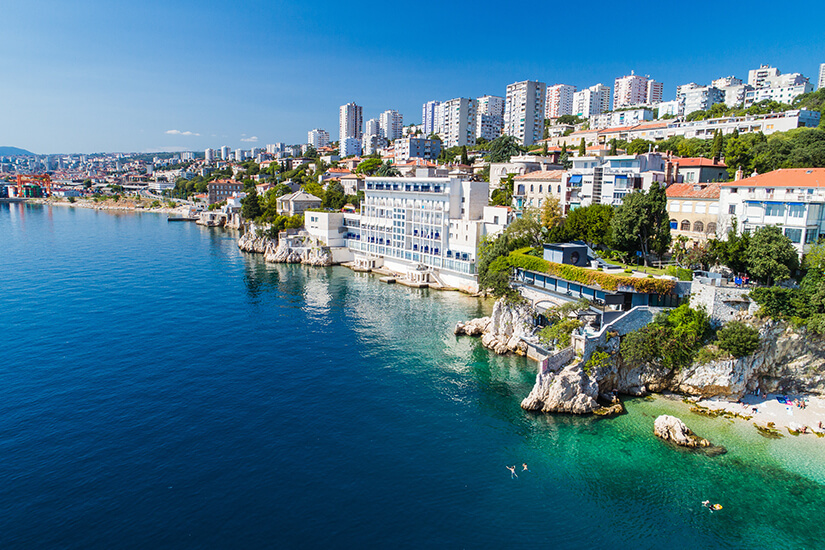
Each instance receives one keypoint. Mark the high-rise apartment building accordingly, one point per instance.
(392, 123)
(559, 100)
(209, 156)
(225, 152)
(821, 82)
(458, 126)
(372, 127)
(489, 117)
(524, 111)
(757, 77)
(350, 121)
(636, 89)
(591, 101)
(430, 117)
(726, 81)
(318, 138)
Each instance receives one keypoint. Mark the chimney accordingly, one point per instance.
(739, 174)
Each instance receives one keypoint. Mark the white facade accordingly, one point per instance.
(559, 100)
(613, 119)
(726, 81)
(209, 156)
(372, 127)
(225, 152)
(791, 199)
(524, 111)
(392, 123)
(350, 121)
(318, 138)
(591, 101)
(458, 126)
(430, 118)
(371, 143)
(821, 82)
(349, 146)
(416, 147)
(701, 98)
(672, 108)
(489, 117)
(422, 226)
(607, 180)
(757, 77)
(782, 94)
(636, 89)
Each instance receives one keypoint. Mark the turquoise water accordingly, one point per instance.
(161, 389)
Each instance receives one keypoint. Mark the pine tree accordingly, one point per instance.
(250, 206)
(582, 148)
(464, 158)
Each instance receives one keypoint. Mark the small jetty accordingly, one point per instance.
(181, 219)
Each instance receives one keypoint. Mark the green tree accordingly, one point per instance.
(570, 120)
(503, 196)
(591, 224)
(638, 146)
(771, 255)
(718, 145)
(334, 197)
(282, 189)
(368, 166)
(314, 188)
(564, 158)
(250, 206)
(582, 148)
(503, 148)
(544, 149)
(613, 148)
(641, 223)
(465, 160)
(738, 339)
(388, 170)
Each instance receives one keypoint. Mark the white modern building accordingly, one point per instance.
(392, 123)
(350, 122)
(793, 199)
(524, 111)
(700, 98)
(318, 138)
(559, 100)
(373, 127)
(431, 117)
(821, 82)
(726, 81)
(630, 117)
(225, 152)
(757, 77)
(672, 108)
(608, 179)
(209, 156)
(591, 101)
(636, 89)
(349, 146)
(458, 126)
(768, 84)
(489, 117)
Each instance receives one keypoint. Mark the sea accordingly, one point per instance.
(161, 389)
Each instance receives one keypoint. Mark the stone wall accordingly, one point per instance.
(723, 303)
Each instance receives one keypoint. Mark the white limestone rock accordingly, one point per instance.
(673, 429)
(570, 390)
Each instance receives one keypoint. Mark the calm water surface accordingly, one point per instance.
(161, 389)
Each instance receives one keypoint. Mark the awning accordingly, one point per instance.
(575, 178)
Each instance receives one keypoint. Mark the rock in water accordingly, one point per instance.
(673, 429)
(569, 391)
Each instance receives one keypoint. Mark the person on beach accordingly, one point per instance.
(513, 474)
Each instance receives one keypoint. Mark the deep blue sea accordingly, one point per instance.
(161, 389)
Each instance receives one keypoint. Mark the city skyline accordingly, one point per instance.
(154, 77)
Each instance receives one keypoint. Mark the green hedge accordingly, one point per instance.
(590, 277)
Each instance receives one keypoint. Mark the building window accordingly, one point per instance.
(796, 210)
(774, 210)
(732, 209)
(685, 225)
(698, 227)
(795, 235)
(711, 228)
(811, 236)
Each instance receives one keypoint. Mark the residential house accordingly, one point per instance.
(694, 210)
(297, 203)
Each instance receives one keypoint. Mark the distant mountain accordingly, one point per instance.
(14, 151)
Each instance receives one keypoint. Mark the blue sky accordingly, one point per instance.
(89, 76)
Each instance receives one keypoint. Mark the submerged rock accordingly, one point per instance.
(673, 429)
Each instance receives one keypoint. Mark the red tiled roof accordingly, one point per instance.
(650, 125)
(696, 162)
(784, 177)
(543, 175)
(693, 191)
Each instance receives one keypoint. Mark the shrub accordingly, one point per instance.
(738, 339)
(598, 359)
(774, 302)
(559, 333)
(709, 353)
(680, 273)
(72, 200)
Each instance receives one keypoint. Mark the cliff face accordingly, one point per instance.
(788, 360)
(503, 330)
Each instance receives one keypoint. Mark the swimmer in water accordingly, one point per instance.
(524, 467)
(513, 474)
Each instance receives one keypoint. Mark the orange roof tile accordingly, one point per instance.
(784, 177)
(695, 162)
(693, 191)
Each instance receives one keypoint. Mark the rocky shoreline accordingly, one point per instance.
(121, 205)
(284, 251)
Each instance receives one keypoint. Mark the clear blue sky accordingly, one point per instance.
(89, 76)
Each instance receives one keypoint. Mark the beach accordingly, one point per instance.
(783, 410)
